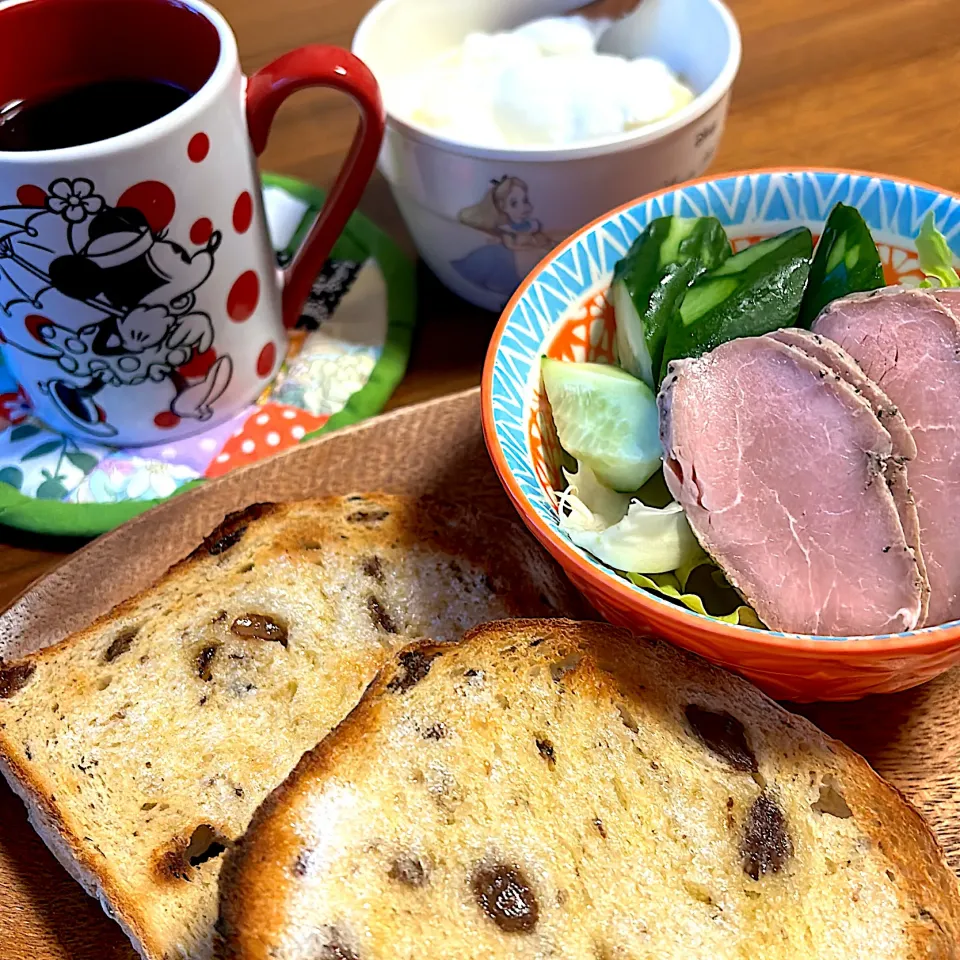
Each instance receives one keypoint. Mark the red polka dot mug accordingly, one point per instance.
(140, 299)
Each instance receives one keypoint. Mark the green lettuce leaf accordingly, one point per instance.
(700, 586)
(936, 258)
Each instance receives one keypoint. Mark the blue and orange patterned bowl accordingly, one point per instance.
(561, 310)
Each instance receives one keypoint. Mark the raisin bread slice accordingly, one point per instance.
(143, 744)
(553, 789)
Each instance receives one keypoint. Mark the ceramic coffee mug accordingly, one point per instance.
(140, 299)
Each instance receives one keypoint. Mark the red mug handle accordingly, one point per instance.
(319, 66)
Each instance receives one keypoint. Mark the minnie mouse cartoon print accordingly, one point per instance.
(130, 292)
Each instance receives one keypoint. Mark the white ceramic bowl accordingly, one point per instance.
(435, 179)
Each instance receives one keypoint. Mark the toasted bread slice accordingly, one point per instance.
(143, 744)
(554, 789)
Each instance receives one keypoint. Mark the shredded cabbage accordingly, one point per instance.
(606, 506)
(646, 539)
(624, 532)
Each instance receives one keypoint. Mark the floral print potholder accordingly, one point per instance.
(347, 354)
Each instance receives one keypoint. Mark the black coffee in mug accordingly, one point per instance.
(122, 314)
(87, 114)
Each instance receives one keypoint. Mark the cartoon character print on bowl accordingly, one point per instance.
(132, 286)
(517, 238)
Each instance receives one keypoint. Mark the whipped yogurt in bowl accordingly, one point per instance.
(543, 84)
(511, 125)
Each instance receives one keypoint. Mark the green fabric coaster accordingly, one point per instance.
(347, 355)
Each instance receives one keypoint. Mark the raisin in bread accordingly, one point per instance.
(553, 789)
(143, 744)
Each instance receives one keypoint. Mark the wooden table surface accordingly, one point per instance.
(869, 84)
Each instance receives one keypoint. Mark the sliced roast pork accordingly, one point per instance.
(833, 356)
(908, 342)
(836, 359)
(780, 469)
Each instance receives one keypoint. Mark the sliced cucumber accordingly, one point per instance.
(634, 348)
(706, 243)
(705, 297)
(740, 262)
(678, 229)
(605, 418)
(836, 249)
(755, 291)
(650, 281)
(846, 262)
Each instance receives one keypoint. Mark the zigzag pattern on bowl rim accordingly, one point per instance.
(562, 311)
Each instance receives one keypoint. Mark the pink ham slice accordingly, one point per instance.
(780, 469)
(908, 342)
(834, 357)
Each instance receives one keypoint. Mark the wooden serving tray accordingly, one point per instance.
(912, 738)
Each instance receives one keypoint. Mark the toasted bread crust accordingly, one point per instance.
(348, 529)
(258, 883)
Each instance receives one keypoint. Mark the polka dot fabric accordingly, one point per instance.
(272, 428)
